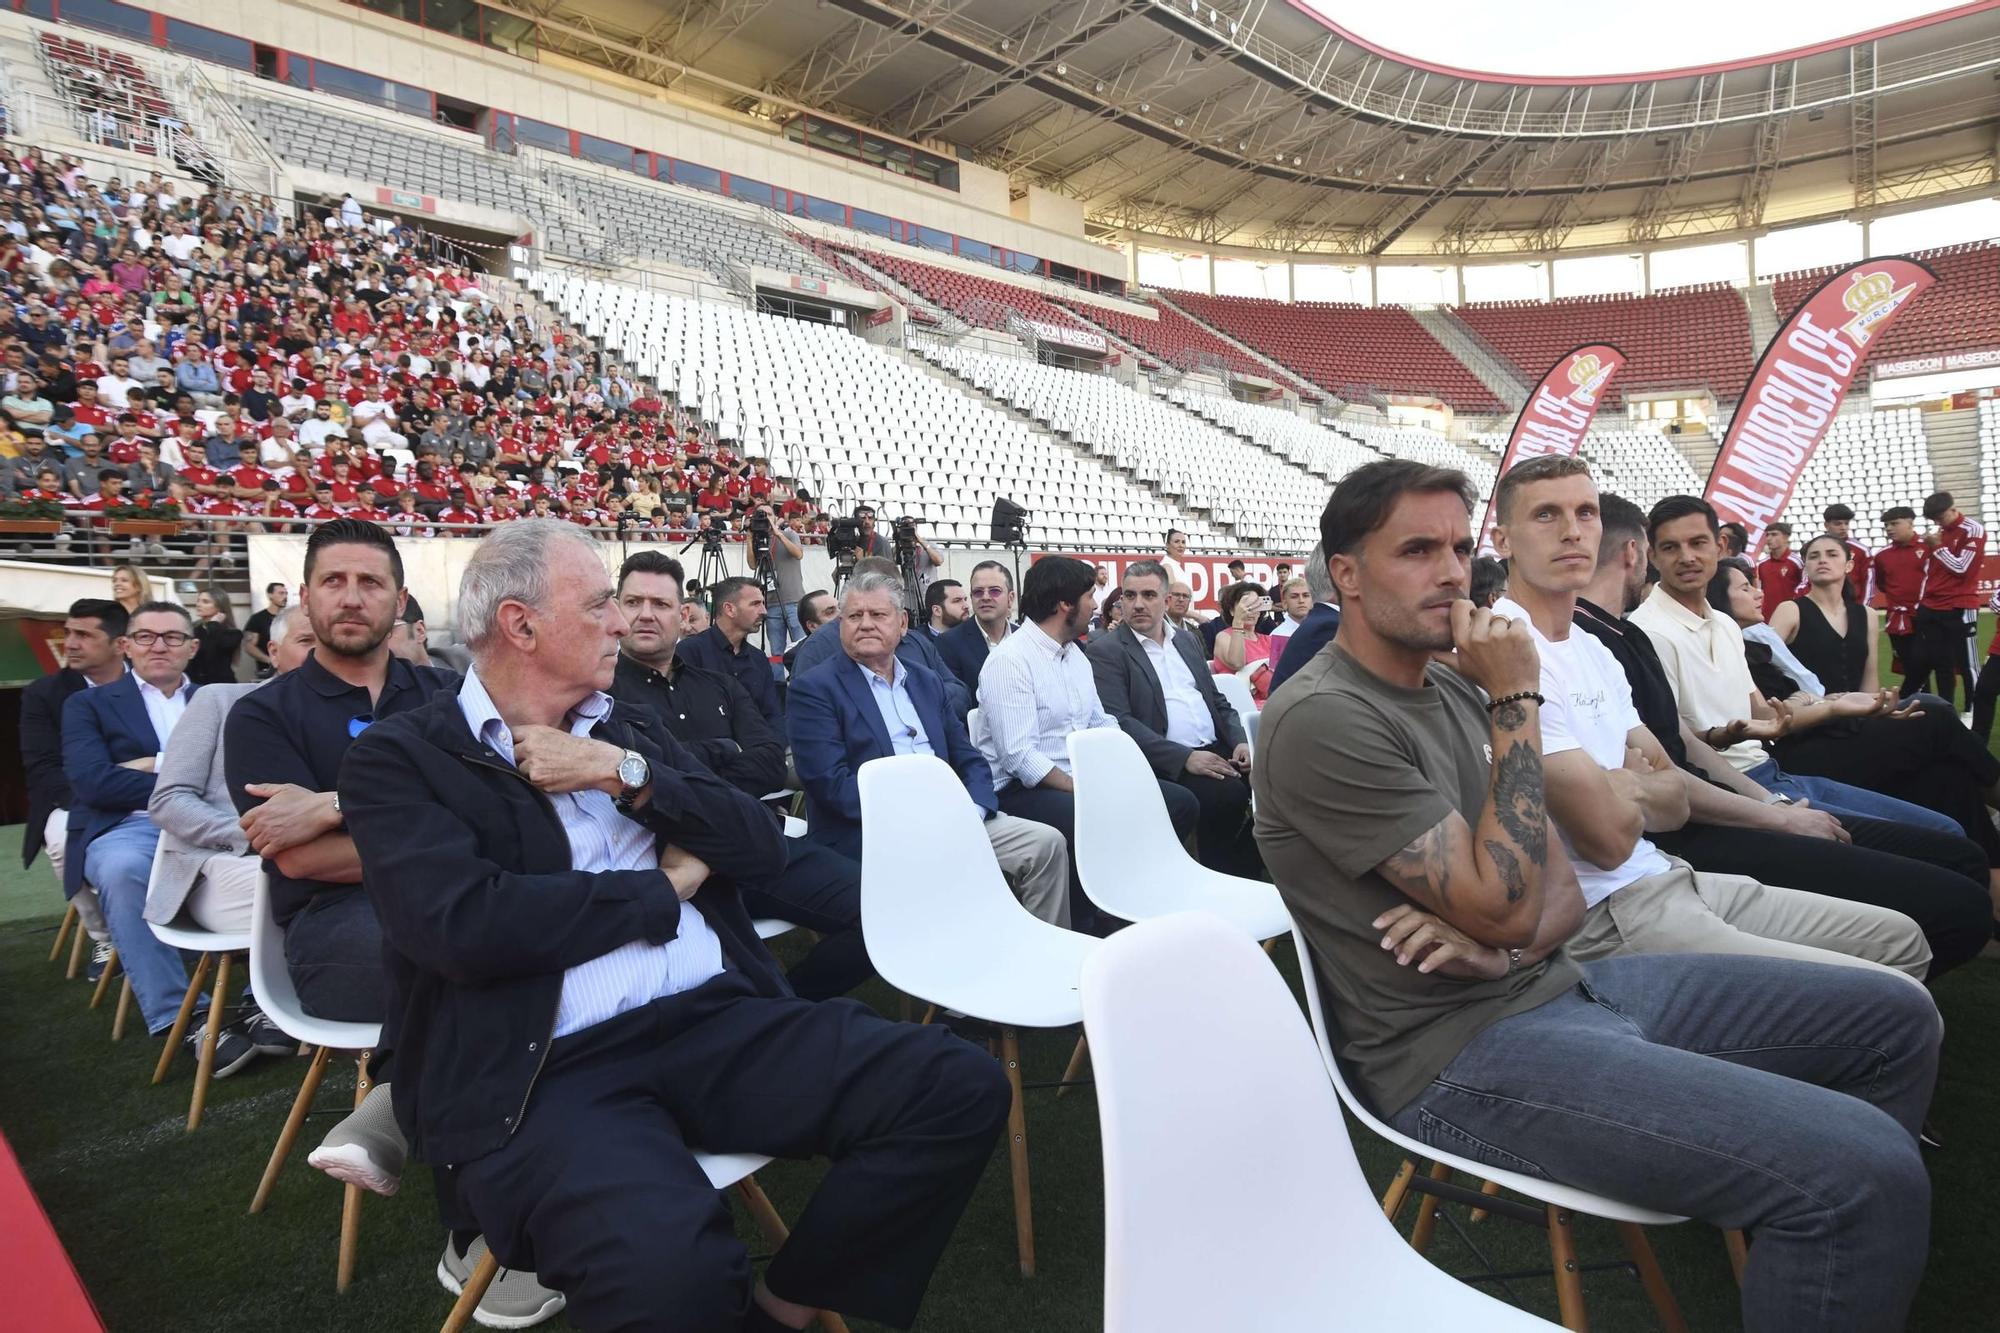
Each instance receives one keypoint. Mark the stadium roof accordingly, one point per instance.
(1186, 124)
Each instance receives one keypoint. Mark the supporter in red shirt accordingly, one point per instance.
(713, 499)
(125, 444)
(87, 411)
(456, 511)
(322, 505)
(426, 486)
(1948, 614)
(249, 477)
(1780, 578)
(1898, 587)
(759, 482)
(1988, 693)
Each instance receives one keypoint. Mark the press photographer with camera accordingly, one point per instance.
(776, 544)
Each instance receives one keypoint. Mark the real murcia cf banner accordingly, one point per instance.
(1557, 413)
(1798, 384)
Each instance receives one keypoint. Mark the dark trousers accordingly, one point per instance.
(1223, 839)
(820, 890)
(1948, 645)
(1057, 809)
(334, 952)
(598, 1194)
(1936, 880)
(1909, 651)
(1931, 760)
(1984, 698)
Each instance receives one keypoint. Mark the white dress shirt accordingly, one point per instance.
(899, 713)
(1189, 722)
(601, 839)
(1033, 692)
(163, 710)
(1703, 657)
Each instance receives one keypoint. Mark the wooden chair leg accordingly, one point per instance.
(1739, 1252)
(218, 1002)
(1641, 1251)
(62, 931)
(103, 986)
(1427, 1216)
(472, 1293)
(1017, 1150)
(350, 1203)
(772, 1227)
(124, 1009)
(930, 1014)
(1569, 1278)
(1488, 1188)
(76, 947)
(184, 1017)
(308, 1089)
(1075, 1065)
(1399, 1189)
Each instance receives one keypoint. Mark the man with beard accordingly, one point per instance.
(283, 747)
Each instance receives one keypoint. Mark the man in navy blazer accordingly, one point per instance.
(1316, 631)
(867, 703)
(112, 737)
(964, 646)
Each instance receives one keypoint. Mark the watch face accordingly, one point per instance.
(632, 771)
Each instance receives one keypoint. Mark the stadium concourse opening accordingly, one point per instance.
(636, 653)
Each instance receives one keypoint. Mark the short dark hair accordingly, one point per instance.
(157, 608)
(1622, 522)
(1679, 506)
(1837, 514)
(652, 562)
(1736, 530)
(1547, 467)
(109, 615)
(1235, 564)
(807, 615)
(1006, 574)
(1785, 528)
(1718, 583)
(1147, 569)
(413, 610)
(935, 594)
(353, 532)
(1361, 502)
(1173, 533)
(1053, 580)
(1935, 504)
(1489, 574)
(273, 586)
(1896, 512)
(729, 590)
(105, 474)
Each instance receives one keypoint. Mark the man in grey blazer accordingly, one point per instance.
(1155, 681)
(203, 867)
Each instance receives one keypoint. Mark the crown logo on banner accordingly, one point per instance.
(1872, 298)
(1588, 373)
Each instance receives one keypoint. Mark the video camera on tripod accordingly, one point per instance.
(843, 545)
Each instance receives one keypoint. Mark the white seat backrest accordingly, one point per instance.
(1124, 837)
(270, 979)
(1237, 690)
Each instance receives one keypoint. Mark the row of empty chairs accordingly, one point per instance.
(859, 423)
(641, 218)
(1323, 452)
(984, 302)
(115, 100)
(1207, 468)
(1961, 312)
(1175, 340)
(1686, 337)
(1425, 447)
(1642, 466)
(1868, 461)
(1989, 460)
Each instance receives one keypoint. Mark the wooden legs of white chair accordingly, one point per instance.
(62, 931)
(472, 1293)
(103, 986)
(301, 1105)
(124, 1009)
(205, 1068)
(1739, 1252)
(1077, 1058)
(772, 1227)
(1427, 1215)
(76, 947)
(1399, 1189)
(1640, 1250)
(183, 1018)
(350, 1203)
(1017, 1152)
(1569, 1278)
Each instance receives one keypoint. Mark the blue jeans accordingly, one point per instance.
(119, 863)
(781, 629)
(1840, 798)
(1776, 1096)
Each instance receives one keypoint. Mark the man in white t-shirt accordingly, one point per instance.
(377, 421)
(1609, 782)
(179, 243)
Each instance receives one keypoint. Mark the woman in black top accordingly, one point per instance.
(216, 639)
(1833, 635)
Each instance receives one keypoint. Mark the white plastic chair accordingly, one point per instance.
(1558, 1201)
(271, 981)
(216, 951)
(770, 927)
(1237, 690)
(1232, 1197)
(1127, 856)
(942, 926)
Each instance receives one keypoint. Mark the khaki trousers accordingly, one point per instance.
(1035, 860)
(1684, 910)
(223, 894)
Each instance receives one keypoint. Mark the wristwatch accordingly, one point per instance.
(634, 773)
(1513, 961)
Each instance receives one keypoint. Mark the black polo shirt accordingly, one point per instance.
(1652, 691)
(711, 715)
(296, 729)
(746, 665)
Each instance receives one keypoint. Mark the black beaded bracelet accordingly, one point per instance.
(1514, 699)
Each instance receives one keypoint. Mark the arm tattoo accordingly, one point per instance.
(1510, 717)
(1426, 864)
(1518, 801)
(1509, 867)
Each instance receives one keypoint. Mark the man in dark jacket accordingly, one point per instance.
(965, 645)
(578, 997)
(1317, 630)
(90, 658)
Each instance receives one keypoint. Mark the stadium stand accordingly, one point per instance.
(1989, 460)
(1177, 341)
(861, 425)
(660, 222)
(1687, 337)
(1207, 469)
(984, 302)
(1327, 453)
(1349, 350)
(1424, 446)
(114, 100)
(1640, 465)
(1960, 313)
(1868, 461)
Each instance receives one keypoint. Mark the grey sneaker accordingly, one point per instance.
(366, 1148)
(515, 1300)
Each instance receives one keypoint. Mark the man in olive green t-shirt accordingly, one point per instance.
(1403, 815)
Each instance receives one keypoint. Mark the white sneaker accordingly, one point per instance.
(514, 1300)
(366, 1148)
